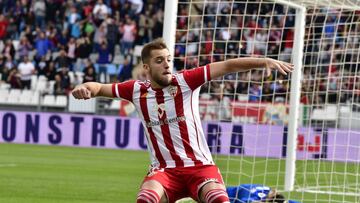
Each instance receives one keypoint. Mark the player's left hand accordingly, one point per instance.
(283, 67)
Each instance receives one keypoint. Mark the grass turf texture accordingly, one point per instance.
(33, 173)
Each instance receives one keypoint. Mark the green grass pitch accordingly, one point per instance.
(38, 174)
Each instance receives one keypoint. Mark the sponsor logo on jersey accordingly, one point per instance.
(165, 121)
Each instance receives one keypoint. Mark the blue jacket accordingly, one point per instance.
(247, 193)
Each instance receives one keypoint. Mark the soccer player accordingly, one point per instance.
(246, 193)
(167, 103)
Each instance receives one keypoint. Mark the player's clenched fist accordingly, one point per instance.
(81, 92)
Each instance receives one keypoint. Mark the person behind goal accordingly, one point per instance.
(167, 103)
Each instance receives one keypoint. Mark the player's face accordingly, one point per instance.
(159, 68)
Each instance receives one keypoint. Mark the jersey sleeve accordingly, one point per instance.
(123, 90)
(197, 76)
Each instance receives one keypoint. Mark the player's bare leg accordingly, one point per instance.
(213, 192)
(151, 191)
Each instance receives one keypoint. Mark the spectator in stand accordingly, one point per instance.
(137, 6)
(14, 79)
(9, 49)
(24, 47)
(289, 40)
(71, 48)
(128, 31)
(65, 80)
(146, 23)
(3, 26)
(255, 92)
(99, 36)
(50, 71)
(11, 29)
(83, 51)
(73, 17)
(39, 9)
(100, 12)
(58, 85)
(4, 71)
(111, 34)
(89, 28)
(126, 70)
(62, 61)
(89, 74)
(28, 34)
(26, 70)
(103, 60)
(42, 46)
(9, 63)
(87, 9)
(62, 39)
(41, 66)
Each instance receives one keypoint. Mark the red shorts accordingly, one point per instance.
(184, 182)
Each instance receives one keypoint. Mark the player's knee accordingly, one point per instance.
(147, 196)
(216, 196)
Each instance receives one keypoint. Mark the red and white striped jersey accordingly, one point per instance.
(171, 118)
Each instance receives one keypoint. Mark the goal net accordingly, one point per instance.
(298, 133)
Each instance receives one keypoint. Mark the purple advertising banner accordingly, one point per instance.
(223, 138)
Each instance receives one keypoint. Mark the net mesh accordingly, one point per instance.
(246, 114)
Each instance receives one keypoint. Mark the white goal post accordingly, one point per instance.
(304, 139)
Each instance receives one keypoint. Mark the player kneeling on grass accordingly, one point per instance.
(167, 103)
(254, 193)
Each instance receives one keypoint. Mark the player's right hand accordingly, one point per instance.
(81, 92)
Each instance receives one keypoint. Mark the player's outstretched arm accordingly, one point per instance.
(219, 69)
(92, 89)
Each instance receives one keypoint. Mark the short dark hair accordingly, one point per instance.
(278, 198)
(158, 43)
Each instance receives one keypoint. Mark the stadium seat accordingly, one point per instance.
(61, 101)
(137, 50)
(15, 92)
(26, 97)
(83, 106)
(54, 55)
(14, 96)
(93, 57)
(118, 59)
(115, 104)
(243, 97)
(41, 85)
(49, 100)
(42, 77)
(112, 69)
(80, 77)
(34, 80)
(35, 98)
(5, 86)
(71, 76)
(4, 93)
(51, 86)
(327, 114)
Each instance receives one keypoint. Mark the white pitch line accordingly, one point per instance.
(7, 165)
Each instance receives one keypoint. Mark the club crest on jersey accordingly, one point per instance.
(160, 109)
(173, 90)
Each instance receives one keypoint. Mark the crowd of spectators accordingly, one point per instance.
(224, 30)
(53, 37)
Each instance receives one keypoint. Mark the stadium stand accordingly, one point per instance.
(43, 30)
(60, 34)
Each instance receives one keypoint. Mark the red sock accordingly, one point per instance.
(147, 196)
(216, 196)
